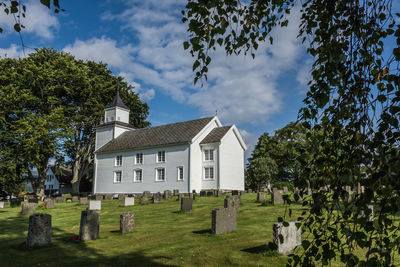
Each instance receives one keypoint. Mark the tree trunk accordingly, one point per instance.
(39, 183)
(75, 176)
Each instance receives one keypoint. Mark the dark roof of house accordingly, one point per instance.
(169, 134)
(116, 122)
(117, 102)
(215, 135)
(62, 173)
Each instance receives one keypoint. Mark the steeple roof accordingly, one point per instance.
(117, 102)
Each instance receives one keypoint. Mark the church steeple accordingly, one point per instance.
(116, 111)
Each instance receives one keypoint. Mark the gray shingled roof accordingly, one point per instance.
(116, 122)
(117, 102)
(169, 134)
(215, 135)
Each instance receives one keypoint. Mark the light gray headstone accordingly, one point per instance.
(1, 204)
(180, 196)
(176, 192)
(143, 200)
(276, 197)
(167, 193)
(95, 205)
(99, 197)
(186, 204)
(219, 193)
(90, 225)
(75, 199)
(291, 236)
(39, 230)
(232, 202)
(28, 208)
(157, 198)
(127, 222)
(49, 204)
(285, 189)
(129, 201)
(260, 196)
(83, 200)
(223, 220)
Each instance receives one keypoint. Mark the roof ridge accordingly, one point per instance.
(174, 123)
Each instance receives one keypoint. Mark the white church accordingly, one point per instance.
(191, 155)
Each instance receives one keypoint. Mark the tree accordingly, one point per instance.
(352, 105)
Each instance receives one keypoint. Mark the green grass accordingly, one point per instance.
(163, 236)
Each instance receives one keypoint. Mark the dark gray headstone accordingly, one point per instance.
(235, 192)
(209, 193)
(260, 196)
(186, 204)
(203, 193)
(127, 222)
(39, 230)
(276, 196)
(15, 203)
(291, 236)
(59, 200)
(143, 200)
(157, 198)
(192, 196)
(167, 194)
(83, 200)
(223, 220)
(176, 192)
(28, 208)
(49, 203)
(90, 225)
(99, 197)
(232, 202)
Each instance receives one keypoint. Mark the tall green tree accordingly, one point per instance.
(352, 105)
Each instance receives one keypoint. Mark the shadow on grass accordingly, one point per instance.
(202, 232)
(269, 249)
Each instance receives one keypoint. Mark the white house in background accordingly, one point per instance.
(58, 180)
(190, 155)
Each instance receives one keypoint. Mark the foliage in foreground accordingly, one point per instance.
(352, 109)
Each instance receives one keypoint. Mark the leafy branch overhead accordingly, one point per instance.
(17, 10)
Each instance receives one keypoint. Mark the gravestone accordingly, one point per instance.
(83, 200)
(147, 194)
(39, 230)
(1, 205)
(33, 200)
(260, 196)
(59, 200)
(223, 221)
(129, 201)
(180, 196)
(108, 196)
(75, 199)
(90, 224)
(235, 192)
(186, 204)
(209, 193)
(219, 193)
(249, 190)
(95, 205)
(121, 196)
(157, 198)
(203, 193)
(99, 197)
(291, 236)
(49, 203)
(68, 199)
(192, 196)
(167, 194)
(241, 193)
(28, 208)
(232, 202)
(127, 222)
(285, 189)
(15, 203)
(276, 197)
(143, 200)
(176, 192)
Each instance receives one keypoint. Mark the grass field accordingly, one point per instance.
(163, 236)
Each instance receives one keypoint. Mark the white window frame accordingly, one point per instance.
(158, 158)
(165, 175)
(117, 162)
(136, 158)
(208, 150)
(178, 173)
(204, 173)
(115, 177)
(135, 180)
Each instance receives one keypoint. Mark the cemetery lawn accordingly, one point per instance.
(163, 236)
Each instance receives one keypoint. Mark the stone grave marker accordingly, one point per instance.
(1, 204)
(147, 194)
(249, 190)
(291, 236)
(75, 199)
(180, 196)
(176, 192)
(28, 208)
(129, 201)
(15, 202)
(276, 196)
(143, 200)
(209, 193)
(95, 205)
(203, 193)
(232, 202)
(285, 189)
(90, 224)
(99, 197)
(223, 221)
(235, 192)
(121, 196)
(59, 200)
(167, 194)
(157, 198)
(49, 203)
(219, 193)
(127, 222)
(83, 200)
(260, 196)
(192, 196)
(186, 204)
(108, 196)
(39, 230)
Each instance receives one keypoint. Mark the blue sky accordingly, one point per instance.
(142, 41)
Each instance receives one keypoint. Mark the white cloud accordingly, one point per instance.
(39, 20)
(14, 51)
(251, 140)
